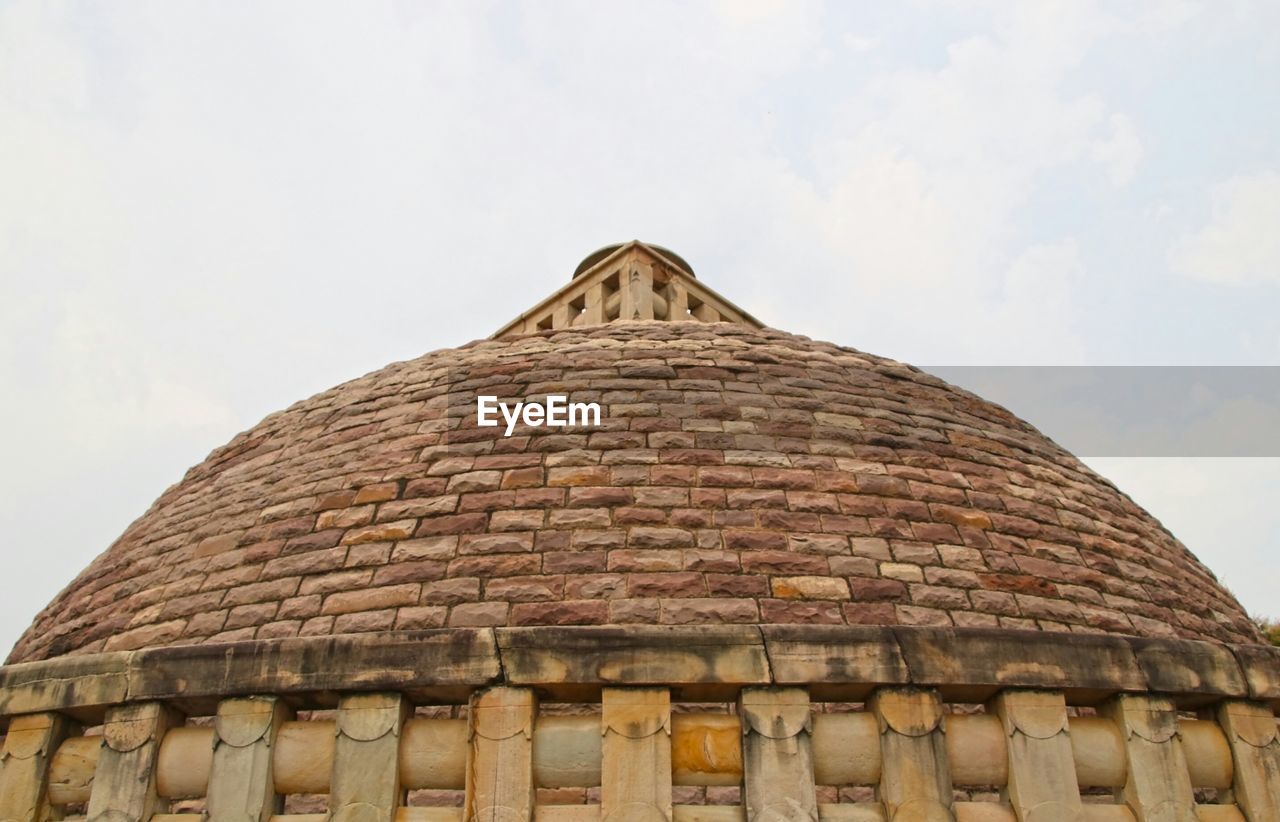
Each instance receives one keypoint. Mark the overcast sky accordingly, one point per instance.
(211, 210)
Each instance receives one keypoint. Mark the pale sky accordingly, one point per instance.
(211, 210)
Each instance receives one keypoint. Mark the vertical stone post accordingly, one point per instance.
(241, 779)
(1251, 733)
(594, 305)
(678, 300)
(24, 776)
(635, 776)
(915, 777)
(365, 784)
(637, 289)
(777, 755)
(124, 783)
(1158, 787)
(1042, 769)
(500, 756)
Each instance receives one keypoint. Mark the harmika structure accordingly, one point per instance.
(781, 580)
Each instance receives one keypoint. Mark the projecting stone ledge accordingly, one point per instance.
(837, 662)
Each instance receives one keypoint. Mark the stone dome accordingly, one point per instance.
(738, 475)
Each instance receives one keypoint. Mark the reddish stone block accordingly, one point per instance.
(335, 499)
(365, 622)
(634, 611)
(869, 613)
(580, 518)
(736, 540)
(452, 524)
(787, 478)
(642, 537)
(915, 615)
(421, 571)
(521, 478)
(841, 524)
(711, 560)
(425, 487)
(496, 565)
(420, 617)
(783, 562)
(574, 562)
(632, 515)
(681, 584)
(708, 611)
(525, 589)
(790, 612)
(589, 497)
(568, 612)
(450, 591)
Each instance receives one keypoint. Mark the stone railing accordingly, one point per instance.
(774, 723)
(634, 282)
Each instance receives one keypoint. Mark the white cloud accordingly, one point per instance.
(1240, 245)
(1120, 153)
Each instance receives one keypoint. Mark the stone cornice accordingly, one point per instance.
(706, 662)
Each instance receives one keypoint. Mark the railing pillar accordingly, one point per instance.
(635, 771)
(1042, 768)
(1158, 787)
(915, 776)
(500, 756)
(1252, 734)
(24, 779)
(777, 755)
(124, 783)
(365, 784)
(241, 778)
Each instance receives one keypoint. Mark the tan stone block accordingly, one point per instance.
(345, 517)
(626, 560)
(371, 599)
(217, 545)
(520, 520)
(437, 548)
(902, 572)
(578, 475)
(810, 588)
(525, 589)
(384, 532)
(365, 621)
(504, 543)
(478, 615)
(472, 481)
(380, 492)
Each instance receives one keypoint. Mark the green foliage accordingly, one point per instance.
(1270, 629)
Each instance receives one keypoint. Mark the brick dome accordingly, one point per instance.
(739, 475)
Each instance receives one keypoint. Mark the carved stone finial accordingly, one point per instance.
(631, 281)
